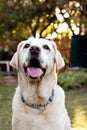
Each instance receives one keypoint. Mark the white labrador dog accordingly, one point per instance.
(38, 103)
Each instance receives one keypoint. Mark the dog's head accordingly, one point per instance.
(36, 58)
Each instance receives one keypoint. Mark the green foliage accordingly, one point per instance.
(38, 16)
(72, 79)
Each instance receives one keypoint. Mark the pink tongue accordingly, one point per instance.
(34, 72)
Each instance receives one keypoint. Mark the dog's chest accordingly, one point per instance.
(40, 121)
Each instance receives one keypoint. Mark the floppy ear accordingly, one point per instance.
(59, 61)
(14, 61)
(58, 58)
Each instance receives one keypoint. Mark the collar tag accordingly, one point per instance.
(52, 96)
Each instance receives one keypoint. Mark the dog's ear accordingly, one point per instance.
(14, 61)
(58, 58)
(59, 61)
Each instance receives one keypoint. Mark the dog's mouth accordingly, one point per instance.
(34, 69)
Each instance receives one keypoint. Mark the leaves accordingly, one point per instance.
(38, 16)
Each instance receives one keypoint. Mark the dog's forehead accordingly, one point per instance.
(39, 42)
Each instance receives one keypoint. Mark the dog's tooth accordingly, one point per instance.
(26, 63)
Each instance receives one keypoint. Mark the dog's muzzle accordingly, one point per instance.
(34, 70)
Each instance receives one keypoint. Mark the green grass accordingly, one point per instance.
(76, 102)
(6, 94)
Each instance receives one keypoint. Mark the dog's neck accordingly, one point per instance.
(37, 91)
(40, 107)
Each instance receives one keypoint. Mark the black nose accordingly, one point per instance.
(34, 50)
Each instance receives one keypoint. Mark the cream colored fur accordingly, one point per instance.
(54, 116)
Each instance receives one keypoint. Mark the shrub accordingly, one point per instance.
(72, 79)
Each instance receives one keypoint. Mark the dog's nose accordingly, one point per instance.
(34, 50)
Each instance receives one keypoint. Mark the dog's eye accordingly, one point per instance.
(46, 47)
(27, 45)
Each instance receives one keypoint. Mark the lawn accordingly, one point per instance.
(76, 103)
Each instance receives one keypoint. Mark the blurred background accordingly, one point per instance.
(63, 21)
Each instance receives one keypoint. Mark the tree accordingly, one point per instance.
(74, 14)
(20, 19)
(37, 16)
